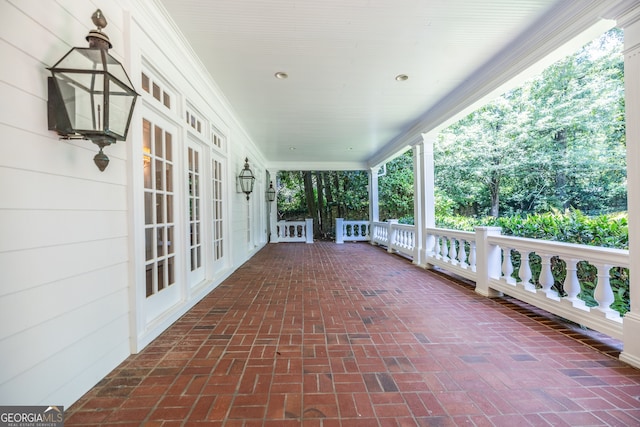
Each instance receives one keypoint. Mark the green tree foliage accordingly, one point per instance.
(395, 189)
(557, 142)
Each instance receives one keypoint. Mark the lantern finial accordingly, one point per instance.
(96, 38)
(99, 20)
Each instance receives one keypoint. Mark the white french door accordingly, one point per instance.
(218, 241)
(161, 290)
(196, 249)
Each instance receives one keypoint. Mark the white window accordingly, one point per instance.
(156, 89)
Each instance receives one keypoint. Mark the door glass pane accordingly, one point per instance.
(149, 243)
(161, 273)
(171, 270)
(169, 178)
(148, 208)
(159, 171)
(170, 241)
(157, 138)
(149, 280)
(169, 208)
(169, 150)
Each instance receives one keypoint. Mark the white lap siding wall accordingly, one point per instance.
(72, 237)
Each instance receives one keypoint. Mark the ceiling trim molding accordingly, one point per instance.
(625, 12)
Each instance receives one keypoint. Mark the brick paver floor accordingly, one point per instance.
(348, 335)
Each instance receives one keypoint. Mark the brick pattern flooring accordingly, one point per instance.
(347, 335)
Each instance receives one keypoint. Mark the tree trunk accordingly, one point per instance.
(494, 190)
(328, 192)
(336, 183)
(322, 217)
(561, 177)
(312, 211)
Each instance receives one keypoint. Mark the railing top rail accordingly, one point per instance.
(404, 226)
(609, 256)
(466, 235)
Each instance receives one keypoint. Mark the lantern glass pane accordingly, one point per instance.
(120, 107)
(116, 69)
(82, 95)
(82, 59)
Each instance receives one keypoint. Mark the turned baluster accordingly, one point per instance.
(443, 248)
(472, 255)
(546, 276)
(603, 292)
(436, 247)
(525, 271)
(507, 266)
(452, 251)
(462, 255)
(571, 283)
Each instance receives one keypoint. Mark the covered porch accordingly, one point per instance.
(348, 335)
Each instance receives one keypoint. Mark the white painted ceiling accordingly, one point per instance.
(341, 103)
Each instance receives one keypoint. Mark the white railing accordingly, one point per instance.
(452, 250)
(400, 238)
(486, 258)
(380, 233)
(352, 231)
(295, 231)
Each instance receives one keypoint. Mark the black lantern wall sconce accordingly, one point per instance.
(90, 94)
(271, 192)
(246, 178)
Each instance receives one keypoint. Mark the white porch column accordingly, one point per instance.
(418, 201)
(339, 236)
(309, 230)
(273, 209)
(631, 322)
(374, 209)
(424, 206)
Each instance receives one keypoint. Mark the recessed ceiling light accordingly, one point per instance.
(292, 148)
(281, 75)
(401, 77)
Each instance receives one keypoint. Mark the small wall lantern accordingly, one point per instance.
(246, 178)
(90, 94)
(271, 192)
